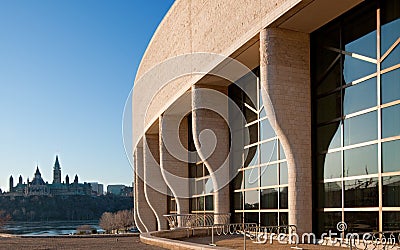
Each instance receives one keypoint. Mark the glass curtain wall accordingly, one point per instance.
(356, 118)
(201, 189)
(259, 190)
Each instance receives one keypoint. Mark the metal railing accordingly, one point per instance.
(196, 220)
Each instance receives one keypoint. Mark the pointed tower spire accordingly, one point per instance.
(57, 171)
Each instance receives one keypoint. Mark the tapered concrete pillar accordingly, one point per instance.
(205, 120)
(285, 75)
(138, 220)
(144, 216)
(155, 188)
(174, 130)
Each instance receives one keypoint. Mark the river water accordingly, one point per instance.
(46, 228)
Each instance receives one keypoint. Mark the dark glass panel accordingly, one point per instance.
(391, 156)
(269, 198)
(206, 173)
(283, 198)
(253, 132)
(355, 69)
(269, 175)
(361, 161)
(391, 221)
(361, 221)
(266, 130)
(332, 194)
(391, 86)
(251, 217)
(327, 221)
(391, 191)
(282, 155)
(200, 203)
(192, 170)
(331, 165)
(262, 113)
(361, 128)
(237, 182)
(283, 173)
(391, 121)
(209, 206)
(193, 204)
(361, 193)
(199, 170)
(330, 80)
(283, 219)
(269, 219)
(329, 107)
(359, 31)
(252, 157)
(268, 151)
(237, 218)
(251, 200)
(238, 200)
(251, 178)
(249, 115)
(328, 136)
(360, 96)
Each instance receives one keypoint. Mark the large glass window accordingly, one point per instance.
(260, 188)
(356, 117)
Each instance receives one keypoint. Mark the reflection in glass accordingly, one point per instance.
(332, 194)
(268, 151)
(200, 187)
(269, 198)
(327, 221)
(361, 128)
(361, 221)
(328, 136)
(283, 198)
(209, 186)
(391, 191)
(391, 156)
(391, 221)
(269, 175)
(251, 200)
(283, 173)
(391, 86)
(356, 68)
(332, 165)
(361, 193)
(360, 96)
(253, 132)
(266, 131)
(361, 161)
(331, 80)
(389, 34)
(252, 157)
(251, 178)
(282, 155)
(391, 121)
(238, 200)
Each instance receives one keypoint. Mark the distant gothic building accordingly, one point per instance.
(39, 187)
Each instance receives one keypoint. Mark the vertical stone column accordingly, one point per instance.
(145, 216)
(285, 75)
(155, 188)
(204, 120)
(176, 171)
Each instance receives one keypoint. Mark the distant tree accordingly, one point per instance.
(107, 221)
(4, 218)
(124, 219)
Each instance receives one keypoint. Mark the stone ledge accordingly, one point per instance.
(168, 239)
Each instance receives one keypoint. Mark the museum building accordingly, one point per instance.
(319, 142)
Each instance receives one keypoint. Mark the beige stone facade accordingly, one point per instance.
(271, 38)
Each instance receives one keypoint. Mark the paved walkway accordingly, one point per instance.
(236, 242)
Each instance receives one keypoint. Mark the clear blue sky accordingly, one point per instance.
(66, 69)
